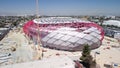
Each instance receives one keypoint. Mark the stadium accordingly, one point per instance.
(64, 33)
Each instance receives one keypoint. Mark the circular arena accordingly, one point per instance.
(64, 33)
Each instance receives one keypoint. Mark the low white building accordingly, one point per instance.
(112, 22)
(117, 36)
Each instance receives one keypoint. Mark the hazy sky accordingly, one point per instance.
(60, 7)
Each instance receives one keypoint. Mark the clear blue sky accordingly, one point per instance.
(60, 7)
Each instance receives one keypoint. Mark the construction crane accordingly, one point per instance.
(39, 47)
(37, 8)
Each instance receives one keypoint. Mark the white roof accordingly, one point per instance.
(56, 20)
(112, 22)
(69, 38)
(3, 28)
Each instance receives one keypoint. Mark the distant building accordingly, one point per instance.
(112, 22)
(112, 33)
(117, 35)
(3, 32)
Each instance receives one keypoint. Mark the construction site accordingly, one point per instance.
(57, 42)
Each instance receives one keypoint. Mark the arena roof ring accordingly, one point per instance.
(65, 33)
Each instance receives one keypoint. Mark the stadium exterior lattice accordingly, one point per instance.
(64, 33)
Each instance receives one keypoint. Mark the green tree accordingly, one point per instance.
(15, 23)
(101, 19)
(86, 57)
